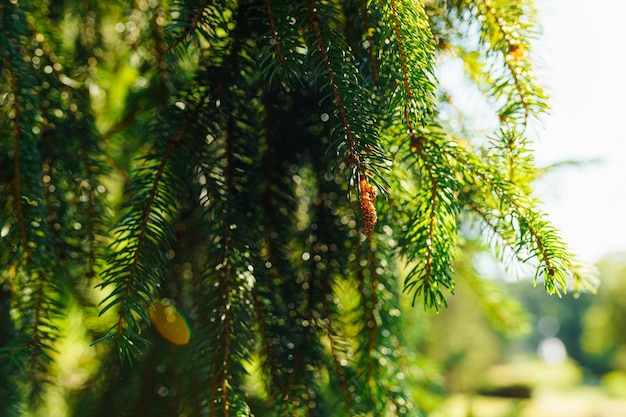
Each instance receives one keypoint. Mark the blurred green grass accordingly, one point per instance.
(555, 391)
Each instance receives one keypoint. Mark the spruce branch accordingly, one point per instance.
(506, 31)
(369, 39)
(403, 63)
(512, 50)
(353, 154)
(431, 232)
(225, 333)
(512, 151)
(220, 377)
(378, 368)
(367, 308)
(274, 32)
(143, 234)
(191, 27)
(335, 339)
(142, 237)
(17, 170)
(359, 143)
(268, 351)
(525, 229)
(282, 59)
(411, 59)
(34, 291)
(432, 240)
(367, 314)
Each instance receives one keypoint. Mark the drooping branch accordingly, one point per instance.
(506, 30)
(400, 43)
(354, 154)
(274, 32)
(141, 239)
(191, 27)
(370, 41)
(17, 171)
(330, 330)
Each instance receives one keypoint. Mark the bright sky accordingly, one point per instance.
(584, 53)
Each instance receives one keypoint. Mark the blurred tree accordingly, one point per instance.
(254, 179)
(562, 319)
(603, 340)
(469, 336)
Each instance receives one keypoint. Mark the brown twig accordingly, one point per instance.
(354, 157)
(370, 41)
(190, 28)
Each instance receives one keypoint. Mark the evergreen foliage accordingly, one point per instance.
(278, 172)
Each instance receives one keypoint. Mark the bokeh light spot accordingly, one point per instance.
(169, 322)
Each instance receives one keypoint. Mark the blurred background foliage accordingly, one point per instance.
(566, 362)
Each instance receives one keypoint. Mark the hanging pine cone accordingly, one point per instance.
(367, 198)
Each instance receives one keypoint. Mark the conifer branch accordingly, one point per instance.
(263, 290)
(361, 149)
(370, 47)
(435, 232)
(191, 27)
(280, 54)
(146, 230)
(274, 32)
(412, 108)
(431, 232)
(414, 47)
(306, 335)
(224, 332)
(224, 337)
(212, 192)
(403, 64)
(17, 171)
(141, 240)
(516, 156)
(537, 236)
(354, 157)
(334, 350)
(91, 222)
(40, 319)
(367, 283)
(416, 144)
(368, 305)
(531, 228)
(34, 294)
(222, 376)
(264, 335)
(490, 12)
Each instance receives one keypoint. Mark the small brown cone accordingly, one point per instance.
(367, 198)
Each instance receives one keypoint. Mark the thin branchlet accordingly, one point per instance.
(17, 171)
(141, 240)
(274, 32)
(341, 376)
(400, 42)
(370, 41)
(488, 10)
(315, 24)
(191, 27)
